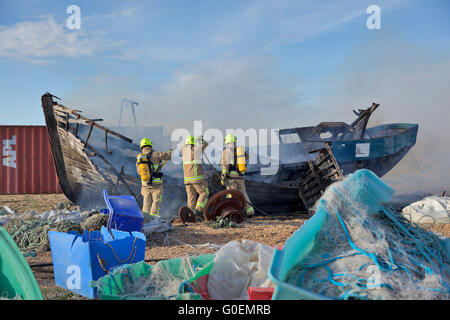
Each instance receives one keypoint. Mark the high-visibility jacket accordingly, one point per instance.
(192, 163)
(153, 160)
(230, 162)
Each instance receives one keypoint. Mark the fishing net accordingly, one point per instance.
(220, 223)
(95, 222)
(32, 234)
(5, 296)
(366, 251)
(164, 281)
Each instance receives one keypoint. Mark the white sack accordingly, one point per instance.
(428, 210)
(238, 266)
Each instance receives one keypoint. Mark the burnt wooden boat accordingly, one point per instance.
(84, 168)
(90, 157)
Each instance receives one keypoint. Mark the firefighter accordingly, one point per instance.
(234, 160)
(148, 166)
(196, 185)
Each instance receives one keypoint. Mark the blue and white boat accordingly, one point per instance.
(90, 158)
(354, 146)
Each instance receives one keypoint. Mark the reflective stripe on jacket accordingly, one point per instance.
(229, 163)
(192, 163)
(155, 159)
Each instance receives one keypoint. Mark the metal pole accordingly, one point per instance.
(120, 114)
(134, 117)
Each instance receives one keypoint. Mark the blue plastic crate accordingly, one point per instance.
(79, 259)
(124, 213)
(295, 249)
(363, 186)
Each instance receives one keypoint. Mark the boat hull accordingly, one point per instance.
(379, 151)
(88, 161)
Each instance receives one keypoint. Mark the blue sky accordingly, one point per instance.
(233, 64)
(143, 48)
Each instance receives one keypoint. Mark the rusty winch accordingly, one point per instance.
(186, 215)
(228, 204)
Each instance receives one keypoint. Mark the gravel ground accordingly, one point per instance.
(196, 237)
(27, 202)
(185, 239)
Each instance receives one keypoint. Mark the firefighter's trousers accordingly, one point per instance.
(152, 196)
(239, 185)
(197, 195)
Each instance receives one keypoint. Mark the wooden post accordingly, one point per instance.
(89, 134)
(118, 180)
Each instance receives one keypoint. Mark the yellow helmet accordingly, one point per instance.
(230, 138)
(146, 143)
(190, 140)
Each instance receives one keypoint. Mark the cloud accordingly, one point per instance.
(265, 25)
(225, 92)
(39, 41)
(124, 12)
(411, 88)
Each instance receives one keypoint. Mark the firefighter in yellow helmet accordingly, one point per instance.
(148, 165)
(234, 161)
(196, 185)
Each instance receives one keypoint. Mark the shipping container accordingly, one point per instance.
(27, 165)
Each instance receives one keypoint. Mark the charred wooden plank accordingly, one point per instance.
(335, 163)
(58, 158)
(113, 169)
(106, 141)
(77, 162)
(91, 126)
(76, 126)
(118, 180)
(324, 171)
(76, 113)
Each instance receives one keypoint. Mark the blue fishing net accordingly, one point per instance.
(365, 250)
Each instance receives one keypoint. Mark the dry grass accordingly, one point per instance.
(28, 202)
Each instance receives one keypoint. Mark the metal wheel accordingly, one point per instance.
(186, 215)
(219, 204)
(233, 215)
